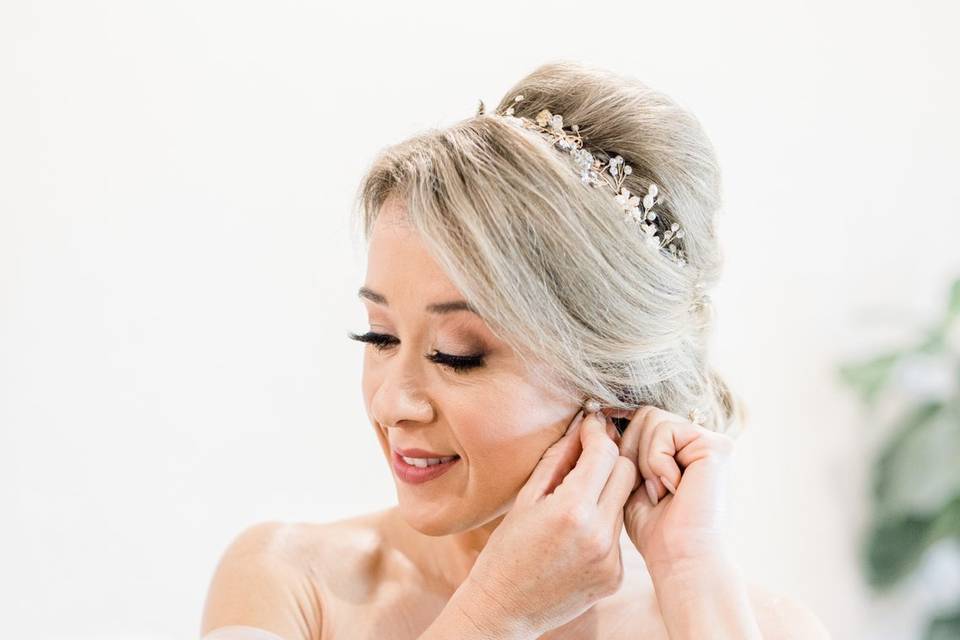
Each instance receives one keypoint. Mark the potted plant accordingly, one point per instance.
(915, 475)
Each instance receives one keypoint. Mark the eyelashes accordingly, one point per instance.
(459, 364)
(380, 340)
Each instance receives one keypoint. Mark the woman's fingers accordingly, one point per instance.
(666, 441)
(600, 454)
(555, 463)
(630, 440)
(613, 433)
(635, 439)
(618, 488)
(656, 440)
(648, 426)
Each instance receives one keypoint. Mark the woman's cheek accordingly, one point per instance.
(514, 432)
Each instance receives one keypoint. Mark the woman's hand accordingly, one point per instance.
(557, 550)
(678, 526)
(676, 515)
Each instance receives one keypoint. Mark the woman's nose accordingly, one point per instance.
(400, 396)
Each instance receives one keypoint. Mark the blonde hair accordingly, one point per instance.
(549, 263)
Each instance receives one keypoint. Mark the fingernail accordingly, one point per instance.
(611, 430)
(668, 485)
(652, 492)
(577, 419)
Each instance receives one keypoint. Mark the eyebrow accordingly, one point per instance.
(436, 307)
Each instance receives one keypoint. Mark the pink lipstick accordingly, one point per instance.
(416, 475)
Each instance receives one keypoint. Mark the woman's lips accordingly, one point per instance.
(421, 453)
(415, 475)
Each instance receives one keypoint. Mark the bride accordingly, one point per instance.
(536, 375)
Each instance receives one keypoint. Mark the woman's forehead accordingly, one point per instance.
(397, 259)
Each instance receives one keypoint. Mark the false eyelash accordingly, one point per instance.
(459, 364)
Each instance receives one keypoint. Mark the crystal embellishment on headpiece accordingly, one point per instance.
(594, 169)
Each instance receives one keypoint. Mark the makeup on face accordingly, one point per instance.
(422, 471)
(454, 317)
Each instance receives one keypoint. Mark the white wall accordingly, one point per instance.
(177, 276)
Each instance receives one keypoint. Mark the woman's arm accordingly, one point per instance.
(705, 598)
(710, 599)
(471, 614)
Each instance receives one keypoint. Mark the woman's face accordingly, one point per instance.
(493, 415)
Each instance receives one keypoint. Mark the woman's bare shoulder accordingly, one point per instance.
(341, 553)
(257, 583)
(275, 575)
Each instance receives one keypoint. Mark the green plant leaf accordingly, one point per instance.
(945, 626)
(893, 549)
(935, 340)
(918, 469)
(953, 306)
(895, 545)
(884, 475)
(916, 479)
(947, 522)
(868, 377)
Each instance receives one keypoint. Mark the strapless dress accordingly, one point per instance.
(241, 632)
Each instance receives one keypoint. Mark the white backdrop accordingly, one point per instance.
(177, 276)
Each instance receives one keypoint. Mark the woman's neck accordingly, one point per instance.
(445, 559)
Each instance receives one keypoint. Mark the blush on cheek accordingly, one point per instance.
(514, 435)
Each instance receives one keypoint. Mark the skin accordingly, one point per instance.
(495, 417)
(500, 421)
(287, 577)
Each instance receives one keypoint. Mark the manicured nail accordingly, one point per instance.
(668, 485)
(577, 419)
(652, 492)
(610, 429)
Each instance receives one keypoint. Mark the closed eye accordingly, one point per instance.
(459, 364)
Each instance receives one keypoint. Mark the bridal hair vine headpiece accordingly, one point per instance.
(593, 169)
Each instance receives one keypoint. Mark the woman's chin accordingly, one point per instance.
(426, 517)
